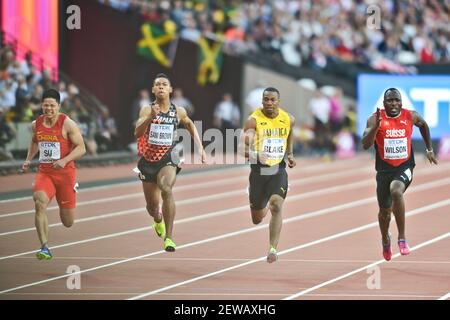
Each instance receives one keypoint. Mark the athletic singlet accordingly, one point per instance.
(393, 142)
(52, 145)
(160, 136)
(271, 135)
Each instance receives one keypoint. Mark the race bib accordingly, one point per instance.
(396, 148)
(161, 134)
(49, 152)
(274, 148)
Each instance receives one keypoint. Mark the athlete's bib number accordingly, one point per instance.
(49, 152)
(161, 134)
(396, 148)
(274, 148)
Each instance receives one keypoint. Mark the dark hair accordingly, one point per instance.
(161, 75)
(271, 89)
(390, 89)
(51, 93)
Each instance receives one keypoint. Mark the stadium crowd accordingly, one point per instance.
(311, 33)
(21, 88)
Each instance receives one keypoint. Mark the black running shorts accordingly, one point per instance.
(149, 171)
(262, 187)
(384, 180)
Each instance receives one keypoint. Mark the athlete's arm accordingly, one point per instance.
(373, 123)
(189, 125)
(32, 149)
(290, 144)
(419, 122)
(146, 115)
(247, 139)
(75, 137)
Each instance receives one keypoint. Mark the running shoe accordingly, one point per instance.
(160, 229)
(272, 256)
(403, 246)
(44, 253)
(387, 251)
(169, 245)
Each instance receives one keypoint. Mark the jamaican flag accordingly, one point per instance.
(210, 60)
(158, 44)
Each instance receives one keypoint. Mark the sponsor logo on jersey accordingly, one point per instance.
(395, 133)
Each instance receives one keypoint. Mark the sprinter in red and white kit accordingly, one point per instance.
(390, 131)
(59, 142)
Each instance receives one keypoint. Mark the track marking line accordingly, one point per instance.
(346, 275)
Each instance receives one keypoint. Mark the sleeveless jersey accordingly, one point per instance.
(160, 136)
(393, 142)
(52, 145)
(271, 135)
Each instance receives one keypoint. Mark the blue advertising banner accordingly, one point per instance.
(429, 95)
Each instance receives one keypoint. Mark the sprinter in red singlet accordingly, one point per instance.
(390, 131)
(156, 131)
(59, 142)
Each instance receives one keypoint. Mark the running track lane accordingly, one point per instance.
(112, 281)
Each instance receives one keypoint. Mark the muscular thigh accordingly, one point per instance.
(166, 177)
(152, 194)
(257, 194)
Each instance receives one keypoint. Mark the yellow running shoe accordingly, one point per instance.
(169, 245)
(160, 229)
(272, 256)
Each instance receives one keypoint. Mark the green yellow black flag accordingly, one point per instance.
(210, 60)
(158, 44)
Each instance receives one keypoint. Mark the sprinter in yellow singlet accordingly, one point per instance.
(266, 143)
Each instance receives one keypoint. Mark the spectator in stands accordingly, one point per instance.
(320, 107)
(337, 111)
(142, 101)
(227, 114)
(107, 136)
(180, 100)
(7, 133)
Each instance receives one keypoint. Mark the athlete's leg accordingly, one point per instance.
(384, 218)
(152, 195)
(67, 216)
(276, 221)
(41, 201)
(165, 180)
(397, 188)
(258, 215)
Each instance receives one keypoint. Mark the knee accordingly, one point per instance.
(166, 191)
(67, 224)
(256, 220)
(396, 193)
(40, 205)
(275, 207)
(384, 214)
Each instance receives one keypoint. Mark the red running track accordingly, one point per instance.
(329, 247)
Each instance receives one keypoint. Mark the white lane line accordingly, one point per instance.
(202, 185)
(309, 244)
(241, 259)
(232, 234)
(188, 175)
(445, 297)
(181, 221)
(230, 194)
(323, 284)
(204, 199)
(421, 187)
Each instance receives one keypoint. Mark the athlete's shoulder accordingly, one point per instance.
(257, 113)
